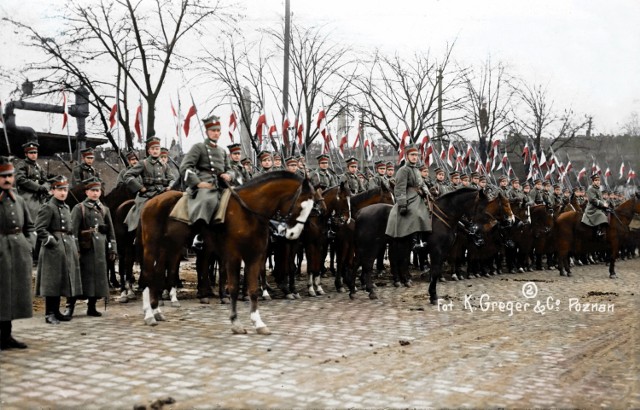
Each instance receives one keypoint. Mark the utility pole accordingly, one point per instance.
(285, 81)
(439, 127)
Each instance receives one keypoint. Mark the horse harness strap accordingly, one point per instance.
(243, 204)
(437, 214)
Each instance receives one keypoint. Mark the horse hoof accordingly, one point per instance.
(263, 330)
(562, 273)
(311, 292)
(175, 304)
(520, 270)
(264, 297)
(373, 296)
(442, 279)
(408, 284)
(433, 301)
(290, 296)
(165, 295)
(161, 302)
(396, 284)
(150, 321)
(461, 277)
(245, 298)
(569, 274)
(613, 276)
(159, 316)
(123, 299)
(296, 296)
(321, 292)
(204, 301)
(352, 295)
(454, 277)
(238, 330)
(341, 290)
(225, 301)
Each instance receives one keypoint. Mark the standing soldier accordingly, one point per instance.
(322, 177)
(31, 180)
(85, 169)
(202, 166)
(410, 213)
(58, 265)
(594, 214)
(350, 177)
(132, 159)
(156, 179)
(16, 242)
(379, 179)
(91, 224)
(240, 173)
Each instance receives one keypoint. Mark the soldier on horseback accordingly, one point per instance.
(84, 170)
(156, 179)
(31, 180)
(440, 186)
(350, 177)
(595, 213)
(291, 164)
(132, 160)
(240, 173)
(266, 162)
(322, 177)
(379, 180)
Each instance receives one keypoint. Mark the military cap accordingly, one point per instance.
(464, 176)
(132, 155)
(556, 186)
(482, 178)
(595, 176)
(351, 161)
(546, 183)
(291, 161)
(526, 184)
(566, 190)
(502, 178)
(390, 164)
(606, 191)
(6, 166)
(59, 181)
(576, 189)
(537, 181)
(438, 170)
(423, 167)
(262, 155)
(234, 148)
(322, 158)
(152, 142)
(277, 155)
(514, 180)
(474, 174)
(380, 164)
(164, 151)
(212, 123)
(245, 160)
(91, 183)
(454, 174)
(31, 146)
(360, 174)
(408, 149)
(88, 152)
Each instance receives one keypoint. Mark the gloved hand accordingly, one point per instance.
(112, 256)
(403, 210)
(43, 190)
(103, 229)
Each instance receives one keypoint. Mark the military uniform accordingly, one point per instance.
(82, 172)
(351, 179)
(240, 174)
(58, 265)
(409, 190)
(323, 178)
(155, 178)
(379, 180)
(121, 174)
(204, 162)
(16, 242)
(594, 213)
(31, 181)
(537, 196)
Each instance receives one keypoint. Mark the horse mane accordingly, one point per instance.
(363, 196)
(457, 192)
(269, 176)
(627, 206)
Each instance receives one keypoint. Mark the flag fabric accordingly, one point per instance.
(65, 113)
(450, 153)
(403, 141)
(138, 123)
(112, 116)
(631, 175)
(368, 149)
(322, 123)
(260, 124)
(503, 163)
(582, 173)
(187, 120)
(525, 153)
(543, 159)
(534, 158)
(343, 141)
(622, 170)
(233, 126)
(607, 173)
(299, 131)
(467, 155)
(423, 145)
(428, 155)
(355, 143)
(285, 132)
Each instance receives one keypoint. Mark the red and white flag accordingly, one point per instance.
(138, 123)
(607, 173)
(467, 155)
(65, 113)
(631, 175)
(343, 141)
(403, 142)
(233, 126)
(112, 116)
(260, 125)
(368, 149)
(321, 123)
(428, 154)
(582, 173)
(525, 153)
(285, 132)
(187, 120)
(451, 152)
(622, 170)
(503, 162)
(299, 131)
(357, 141)
(543, 159)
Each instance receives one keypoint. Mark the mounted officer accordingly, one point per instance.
(475, 178)
(464, 180)
(322, 177)
(31, 179)
(379, 179)
(16, 242)
(537, 193)
(132, 160)
(595, 213)
(454, 180)
(156, 179)
(548, 194)
(202, 166)
(350, 177)
(503, 187)
(240, 175)
(85, 169)
(302, 166)
(266, 162)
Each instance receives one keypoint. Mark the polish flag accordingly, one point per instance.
(138, 123)
(112, 116)
(525, 153)
(403, 141)
(343, 141)
(65, 113)
(299, 131)
(233, 126)
(582, 173)
(187, 120)
(262, 122)
(622, 170)
(450, 153)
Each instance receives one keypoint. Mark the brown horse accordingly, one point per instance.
(244, 235)
(572, 235)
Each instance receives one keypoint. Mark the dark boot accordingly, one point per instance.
(91, 310)
(6, 340)
(71, 306)
(52, 305)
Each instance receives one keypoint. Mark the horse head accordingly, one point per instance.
(541, 220)
(339, 203)
(300, 208)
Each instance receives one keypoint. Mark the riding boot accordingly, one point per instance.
(56, 311)
(70, 307)
(91, 310)
(6, 340)
(50, 308)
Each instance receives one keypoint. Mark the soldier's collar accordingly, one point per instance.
(30, 161)
(7, 194)
(92, 204)
(153, 160)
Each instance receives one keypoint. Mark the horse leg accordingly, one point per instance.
(252, 271)
(232, 268)
(614, 246)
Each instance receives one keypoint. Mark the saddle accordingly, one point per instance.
(180, 210)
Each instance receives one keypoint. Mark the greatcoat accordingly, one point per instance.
(594, 214)
(409, 190)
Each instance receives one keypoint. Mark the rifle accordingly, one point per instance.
(64, 163)
(112, 167)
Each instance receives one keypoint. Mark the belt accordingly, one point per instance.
(12, 231)
(67, 232)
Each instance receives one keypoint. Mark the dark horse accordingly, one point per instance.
(244, 236)
(571, 235)
(447, 211)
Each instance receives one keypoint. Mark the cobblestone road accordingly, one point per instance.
(330, 351)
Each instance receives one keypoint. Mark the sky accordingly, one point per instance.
(587, 52)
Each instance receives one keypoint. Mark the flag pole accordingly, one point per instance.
(197, 117)
(4, 129)
(66, 114)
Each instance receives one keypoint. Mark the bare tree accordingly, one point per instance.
(631, 127)
(491, 96)
(392, 91)
(538, 113)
